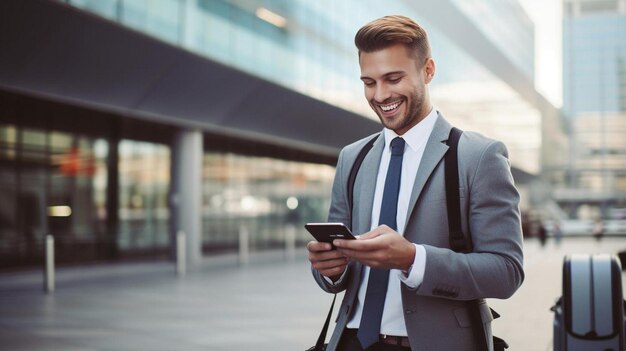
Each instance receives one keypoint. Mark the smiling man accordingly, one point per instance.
(405, 288)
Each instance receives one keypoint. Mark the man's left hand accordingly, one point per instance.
(381, 248)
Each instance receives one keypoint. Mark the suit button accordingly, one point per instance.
(408, 311)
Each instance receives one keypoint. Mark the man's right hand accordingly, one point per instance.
(330, 263)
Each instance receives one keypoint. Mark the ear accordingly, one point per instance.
(429, 70)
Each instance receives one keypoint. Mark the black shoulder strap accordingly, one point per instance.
(354, 171)
(319, 345)
(458, 241)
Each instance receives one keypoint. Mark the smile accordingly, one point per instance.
(390, 107)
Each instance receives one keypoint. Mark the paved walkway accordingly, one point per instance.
(271, 304)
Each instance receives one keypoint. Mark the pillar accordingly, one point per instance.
(186, 193)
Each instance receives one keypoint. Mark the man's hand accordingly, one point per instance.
(330, 263)
(381, 248)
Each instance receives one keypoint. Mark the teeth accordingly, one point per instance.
(390, 107)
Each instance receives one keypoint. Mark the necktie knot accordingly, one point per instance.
(397, 146)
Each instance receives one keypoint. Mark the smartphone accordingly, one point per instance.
(327, 232)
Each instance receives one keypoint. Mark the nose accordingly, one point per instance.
(381, 93)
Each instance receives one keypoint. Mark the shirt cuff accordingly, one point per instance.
(330, 281)
(416, 272)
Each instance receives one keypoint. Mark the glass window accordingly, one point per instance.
(266, 196)
(8, 185)
(47, 179)
(33, 146)
(75, 202)
(65, 165)
(104, 8)
(31, 190)
(8, 142)
(100, 180)
(598, 6)
(159, 18)
(144, 177)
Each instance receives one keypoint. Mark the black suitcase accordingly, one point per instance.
(590, 314)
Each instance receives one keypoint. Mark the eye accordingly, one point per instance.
(395, 80)
(369, 83)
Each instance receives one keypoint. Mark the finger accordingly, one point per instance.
(325, 256)
(331, 264)
(331, 268)
(369, 241)
(360, 245)
(375, 259)
(316, 246)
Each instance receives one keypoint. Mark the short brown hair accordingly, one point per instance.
(389, 30)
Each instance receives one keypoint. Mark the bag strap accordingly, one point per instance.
(353, 173)
(458, 241)
(319, 346)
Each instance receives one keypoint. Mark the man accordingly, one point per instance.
(419, 303)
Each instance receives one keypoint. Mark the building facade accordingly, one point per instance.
(594, 67)
(123, 122)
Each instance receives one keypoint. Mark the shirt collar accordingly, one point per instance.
(415, 137)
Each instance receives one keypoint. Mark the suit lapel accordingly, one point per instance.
(366, 185)
(434, 151)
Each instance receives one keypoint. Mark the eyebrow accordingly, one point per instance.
(386, 75)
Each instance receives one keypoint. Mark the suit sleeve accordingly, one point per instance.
(338, 212)
(494, 268)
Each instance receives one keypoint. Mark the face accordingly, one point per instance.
(395, 86)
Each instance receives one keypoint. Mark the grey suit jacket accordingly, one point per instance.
(435, 314)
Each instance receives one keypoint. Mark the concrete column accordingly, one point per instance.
(186, 193)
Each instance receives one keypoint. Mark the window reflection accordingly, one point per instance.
(30, 189)
(47, 182)
(57, 182)
(74, 167)
(144, 177)
(105, 8)
(8, 183)
(159, 18)
(268, 196)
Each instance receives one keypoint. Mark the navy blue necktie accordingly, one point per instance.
(369, 329)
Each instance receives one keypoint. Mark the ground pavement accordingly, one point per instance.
(270, 304)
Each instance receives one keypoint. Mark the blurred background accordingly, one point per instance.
(123, 122)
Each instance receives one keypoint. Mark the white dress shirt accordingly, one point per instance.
(393, 317)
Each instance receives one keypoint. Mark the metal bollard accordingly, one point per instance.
(244, 245)
(181, 253)
(290, 243)
(49, 269)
